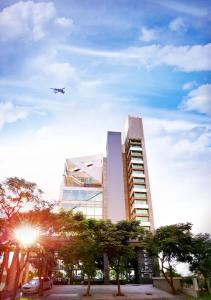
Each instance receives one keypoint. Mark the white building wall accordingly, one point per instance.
(115, 181)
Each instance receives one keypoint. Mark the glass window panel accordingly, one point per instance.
(137, 166)
(139, 186)
(90, 211)
(137, 172)
(82, 195)
(140, 195)
(98, 211)
(141, 211)
(138, 180)
(142, 219)
(137, 160)
(133, 153)
(142, 202)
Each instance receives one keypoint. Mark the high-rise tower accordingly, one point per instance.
(115, 187)
(139, 195)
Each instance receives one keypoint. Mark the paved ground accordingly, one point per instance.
(105, 292)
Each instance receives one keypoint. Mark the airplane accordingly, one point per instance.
(55, 90)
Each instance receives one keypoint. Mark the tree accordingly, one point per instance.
(82, 249)
(201, 263)
(43, 219)
(170, 244)
(17, 194)
(115, 241)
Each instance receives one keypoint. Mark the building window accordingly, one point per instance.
(136, 153)
(139, 186)
(138, 180)
(142, 219)
(136, 160)
(139, 211)
(137, 166)
(135, 147)
(82, 195)
(140, 195)
(140, 202)
(98, 211)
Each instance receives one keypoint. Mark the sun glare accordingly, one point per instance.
(26, 234)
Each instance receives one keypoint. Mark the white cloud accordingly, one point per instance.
(199, 100)
(64, 22)
(25, 19)
(179, 159)
(10, 113)
(188, 8)
(46, 68)
(177, 24)
(189, 85)
(178, 155)
(185, 58)
(147, 35)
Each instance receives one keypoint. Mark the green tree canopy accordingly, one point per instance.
(201, 262)
(17, 194)
(170, 244)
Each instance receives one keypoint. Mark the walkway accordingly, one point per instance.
(105, 292)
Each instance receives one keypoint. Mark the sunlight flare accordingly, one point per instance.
(26, 234)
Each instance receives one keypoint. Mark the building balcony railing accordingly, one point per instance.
(136, 189)
(135, 147)
(136, 161)
(136, 174)
(138, 205)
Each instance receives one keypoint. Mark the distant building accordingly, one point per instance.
(114, 187)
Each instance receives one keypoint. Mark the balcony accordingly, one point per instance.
(137, 174)
(137, 189)
(136, 160)
(139, 205)
(135, 147)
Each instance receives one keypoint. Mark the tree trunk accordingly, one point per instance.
(4, 264)
(208, 284)
(105, 268)
(20, 267)
(11, 274)
(88, 287)
(119, 293)
(170, 282)
(25, 273)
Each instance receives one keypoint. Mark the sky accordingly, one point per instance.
(149, 58)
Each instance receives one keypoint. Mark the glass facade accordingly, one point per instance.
(82, 187)
(82, 195)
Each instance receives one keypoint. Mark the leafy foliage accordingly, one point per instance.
(17, 194)
(201, 262)
(170, 244)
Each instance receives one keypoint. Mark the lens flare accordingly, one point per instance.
(26, 234)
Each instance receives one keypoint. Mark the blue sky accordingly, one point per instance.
(143, 58)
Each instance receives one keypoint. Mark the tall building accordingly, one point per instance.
(115, 187)
(137, 178)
